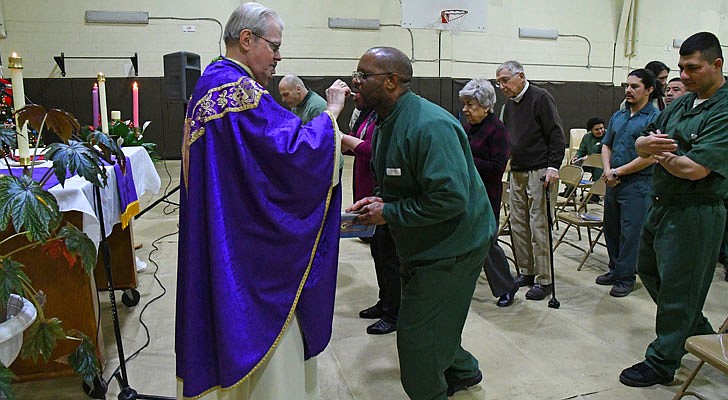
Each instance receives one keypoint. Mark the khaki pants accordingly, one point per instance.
(529, 225)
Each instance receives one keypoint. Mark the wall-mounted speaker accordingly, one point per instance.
(181, 72)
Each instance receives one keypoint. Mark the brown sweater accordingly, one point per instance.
(537, 136)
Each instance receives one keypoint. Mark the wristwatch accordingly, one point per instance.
(614, 173)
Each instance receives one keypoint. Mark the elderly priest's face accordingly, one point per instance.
(265, 54)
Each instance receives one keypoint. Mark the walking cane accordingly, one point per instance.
(553, 303)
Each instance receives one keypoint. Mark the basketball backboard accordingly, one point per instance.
(427, 14)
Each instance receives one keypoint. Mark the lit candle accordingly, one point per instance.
(95, 99)
(15, 65)
(135, 104)
(102, 97)
(115, 116)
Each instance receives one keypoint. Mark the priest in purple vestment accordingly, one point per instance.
(259, 217)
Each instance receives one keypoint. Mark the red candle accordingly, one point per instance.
(135, 104)
(95, 97)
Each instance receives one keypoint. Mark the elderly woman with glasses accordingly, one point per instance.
(491, 148)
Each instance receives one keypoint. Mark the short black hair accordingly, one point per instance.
(675, 79)
(592, 122)
(657, 66)
(706, 43)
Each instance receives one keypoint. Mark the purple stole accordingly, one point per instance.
(259, 230)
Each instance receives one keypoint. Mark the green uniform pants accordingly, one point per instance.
(435, 300)
(678, 248)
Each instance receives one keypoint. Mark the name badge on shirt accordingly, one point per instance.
(394, 172)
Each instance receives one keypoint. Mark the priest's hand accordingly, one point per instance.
(336, 96)
(369, 210)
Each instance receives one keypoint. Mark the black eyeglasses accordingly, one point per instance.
(275, 46)
(500, 82)
(362, 76)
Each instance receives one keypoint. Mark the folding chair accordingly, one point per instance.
(504, 224)
(581, 219)
(571, 176)
(591, 161)
(712, 349)
(575, 137)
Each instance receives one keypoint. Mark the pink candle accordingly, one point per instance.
(135, 104)
(95, 98)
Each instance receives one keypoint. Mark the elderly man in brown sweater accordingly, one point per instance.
(537, 149)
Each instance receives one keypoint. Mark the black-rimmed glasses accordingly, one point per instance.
(275, 46)
(362, 76)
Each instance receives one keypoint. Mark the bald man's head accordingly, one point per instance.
(292, 90)
(393, 60)
(383, 76)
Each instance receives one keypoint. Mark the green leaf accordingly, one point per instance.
(30, 207)
(79, 244)
(77, 158)
(11, 279)
(83, 360)
(6, 377)
(8, 137)
(41, 337)
(107, 145)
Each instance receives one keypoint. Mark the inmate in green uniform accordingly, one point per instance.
(442, 228)
(684, 227)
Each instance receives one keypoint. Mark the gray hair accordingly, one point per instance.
(291, 81)
(253, 16)
(481, 90)
(514, 67)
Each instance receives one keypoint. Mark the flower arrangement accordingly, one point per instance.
(33, 213)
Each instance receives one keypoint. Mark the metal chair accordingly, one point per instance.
(712, 349)
(581, 219)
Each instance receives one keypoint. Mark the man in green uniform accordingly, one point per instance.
(684, 226)
(591, 143)
(430, 195)
(306, 104)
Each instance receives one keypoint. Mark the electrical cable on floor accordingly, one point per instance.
(165, 192)
(141, 314)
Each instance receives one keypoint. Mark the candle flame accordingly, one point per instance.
(15, 54)
(96, 85)
(135, 85)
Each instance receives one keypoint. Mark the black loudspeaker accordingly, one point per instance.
(181, 72)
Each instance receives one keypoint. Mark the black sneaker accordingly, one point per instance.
(642, 375)
(607, 279)
(457, 385)
(525, 280)
(621, 289)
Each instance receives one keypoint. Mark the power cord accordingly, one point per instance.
(155, 248)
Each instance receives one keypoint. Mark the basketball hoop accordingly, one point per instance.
(452, 20)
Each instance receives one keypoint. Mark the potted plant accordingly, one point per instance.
(30, 211)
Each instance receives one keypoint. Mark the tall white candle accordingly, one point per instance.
(102, 96)
(15, 65)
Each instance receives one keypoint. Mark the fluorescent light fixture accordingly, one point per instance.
(676, 43)
(532, 33)
(354, 23)
(117, 17)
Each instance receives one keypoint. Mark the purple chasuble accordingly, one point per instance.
(258, 230)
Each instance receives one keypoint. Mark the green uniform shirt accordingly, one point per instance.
(436, 204)
(311, 106)
(702, 135)
(590, 144)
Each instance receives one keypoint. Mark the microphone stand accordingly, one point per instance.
(99, 389)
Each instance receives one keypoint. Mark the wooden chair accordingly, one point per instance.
(581, 219)
(712, 349)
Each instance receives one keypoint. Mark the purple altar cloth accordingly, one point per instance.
(259, 231)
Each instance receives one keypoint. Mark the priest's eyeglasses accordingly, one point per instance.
(274, 46)
(362, 76)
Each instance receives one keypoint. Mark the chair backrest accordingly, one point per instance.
(571, 174)
(598, 188)
(575, 136)
(593, 160)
